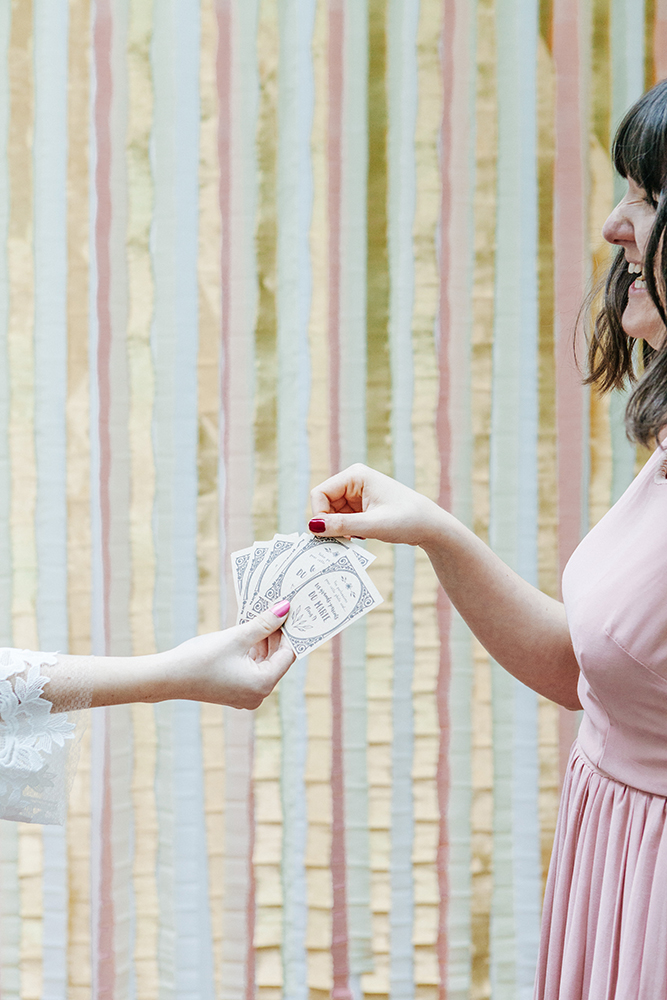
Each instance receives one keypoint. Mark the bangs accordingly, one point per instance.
(640, 146)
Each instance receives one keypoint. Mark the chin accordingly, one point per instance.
(650, 329)
(642, 320)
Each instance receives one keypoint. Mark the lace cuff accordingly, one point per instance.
(35, 740)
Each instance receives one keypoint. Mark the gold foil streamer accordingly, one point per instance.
(427, 477)
(78, 420)
(378, 379)
(379, 642)
(265, 502)
(268, 812)
(481, 375)
(601, 193)
(379, 671)
(78, 480)
(547, 484)
(208, 542)
(22, 445)
(650, 13)
(20, 339)
(208, 511)
(78, 869)
(30, 865)
(600, 442)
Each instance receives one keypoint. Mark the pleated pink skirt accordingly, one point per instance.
(604, 927)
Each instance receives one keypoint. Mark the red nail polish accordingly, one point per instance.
(317, 525)
(359, 538)
(280, 610)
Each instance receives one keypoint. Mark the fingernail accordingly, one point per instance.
(359, 538)
(317, 525)
(280, 610)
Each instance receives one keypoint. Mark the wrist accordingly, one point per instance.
(437, 525)
(164, 673)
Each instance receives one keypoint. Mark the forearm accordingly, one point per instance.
(523, 629)
(110, 680)
(238, 667)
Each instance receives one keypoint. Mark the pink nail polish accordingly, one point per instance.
(280, 610)
(317, 525)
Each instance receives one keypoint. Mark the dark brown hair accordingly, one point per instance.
(639, 151)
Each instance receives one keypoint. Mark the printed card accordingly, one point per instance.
(324, 579)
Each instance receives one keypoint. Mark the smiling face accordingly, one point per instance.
(629, 226)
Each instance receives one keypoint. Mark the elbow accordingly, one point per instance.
(570, 702)
(569, 693)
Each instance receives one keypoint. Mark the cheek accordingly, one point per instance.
(642, 232)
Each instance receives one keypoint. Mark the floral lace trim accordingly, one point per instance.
(33, 754)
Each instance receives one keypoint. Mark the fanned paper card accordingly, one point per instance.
(324, 579)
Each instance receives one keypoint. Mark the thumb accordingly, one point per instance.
(265, 624)
(359, 525)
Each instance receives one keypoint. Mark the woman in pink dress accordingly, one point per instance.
(604, 649)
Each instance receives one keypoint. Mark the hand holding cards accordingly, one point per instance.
(324, 579)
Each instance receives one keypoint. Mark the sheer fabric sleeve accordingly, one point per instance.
(38, 735)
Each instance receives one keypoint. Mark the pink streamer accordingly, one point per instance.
(339, 943)
(240, 912)
(103, 31)
(569, 285)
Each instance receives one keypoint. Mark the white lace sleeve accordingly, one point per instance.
(34, 740)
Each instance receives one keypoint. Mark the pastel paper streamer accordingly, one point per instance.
(628, 26)
(5, 482)
(110, 473)
(238, 109)
(50, 170)
(295, 194)
(513, 521)
(184, 949)
(352, 448)
(402, 107)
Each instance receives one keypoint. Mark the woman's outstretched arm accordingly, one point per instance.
(523, 629)
(238, 667)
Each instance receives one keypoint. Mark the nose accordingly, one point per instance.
(618, 228)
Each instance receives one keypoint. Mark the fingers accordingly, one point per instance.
(343, 525)
(264, 625)
(280, 661)
(346, 487)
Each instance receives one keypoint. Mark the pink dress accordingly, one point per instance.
(604, 929)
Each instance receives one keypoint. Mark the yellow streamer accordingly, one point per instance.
(78, 482)
(547, 527)
(208, 541)
(427, 473)
(267, 857)
(482, 340)
(22, 447)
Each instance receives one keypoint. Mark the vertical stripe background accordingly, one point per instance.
(244, 244)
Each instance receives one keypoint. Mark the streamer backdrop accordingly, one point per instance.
(244, 243)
